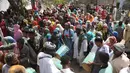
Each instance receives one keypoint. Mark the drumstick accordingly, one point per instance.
(62, 41)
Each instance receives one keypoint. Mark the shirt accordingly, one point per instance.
(45, 63)
(119, 63)
(125, 70)
(95, 68)
(67, 70)
(105, 49)
(5, 68)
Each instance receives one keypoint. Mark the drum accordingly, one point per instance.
(90, 58)
(1, 65)
(57, 63)
(62, 51)
(109, 69)
(30, 70)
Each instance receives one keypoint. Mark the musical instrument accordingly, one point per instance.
(89, 59)
(109, 69)
(62, 51)
(30, 70)
(57, 63)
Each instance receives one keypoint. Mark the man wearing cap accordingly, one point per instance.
(33, 40)
(120, 60)
(44, 59)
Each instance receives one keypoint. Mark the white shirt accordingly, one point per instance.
(105, 49)
(125, 70)
(67, 70)
(5, 68)
(45, 63)
(120, 63)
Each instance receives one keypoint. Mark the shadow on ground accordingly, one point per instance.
(76, 68)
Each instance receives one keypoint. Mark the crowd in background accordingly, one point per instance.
(31, 40)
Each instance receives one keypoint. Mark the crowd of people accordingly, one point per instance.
(28, 43)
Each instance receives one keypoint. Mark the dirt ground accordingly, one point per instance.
(76, 68)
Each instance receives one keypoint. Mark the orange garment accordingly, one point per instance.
(35, 23)
(91, 18)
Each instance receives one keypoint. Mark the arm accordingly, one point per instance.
(7, 47)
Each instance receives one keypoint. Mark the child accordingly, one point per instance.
(10, 60)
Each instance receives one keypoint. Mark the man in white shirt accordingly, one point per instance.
(114, 13)
(125, 70)
(80, 45)
(120, 60)
(44, 60)
(101, 48)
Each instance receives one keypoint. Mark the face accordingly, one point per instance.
(15, 60)
(98, 44)
(78, 31)
(66, 26)
(31, 35)
(116, 52)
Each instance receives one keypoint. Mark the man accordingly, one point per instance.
(114, 13)
(57, 38)
(80, 45)
(125, 70)
(101, 48)
(44, 59)
(126, 34)
(27, 55)
(120, 30)
(120, 59)
(68, 35)
(123, 15)
(65, 61)
(33, 41)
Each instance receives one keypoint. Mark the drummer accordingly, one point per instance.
(120, 59)
(44, 59)
(101, 48)
(80, 45)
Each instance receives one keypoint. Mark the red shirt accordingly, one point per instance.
(103, 14)
(3, 27)
(52, 28)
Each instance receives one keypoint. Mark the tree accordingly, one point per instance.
(60, 2)
(18, 6)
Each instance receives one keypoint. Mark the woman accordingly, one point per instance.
(111, 41)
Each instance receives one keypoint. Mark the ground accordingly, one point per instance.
(76, 68)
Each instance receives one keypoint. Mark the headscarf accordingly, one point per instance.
(90, 36)
(17, 32)
(115, 33)
(111, 41)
